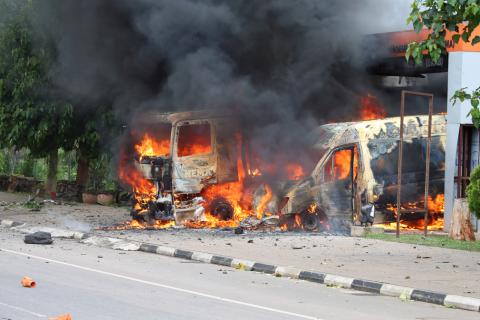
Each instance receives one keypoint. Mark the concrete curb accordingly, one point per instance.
(380, 288)
(405, 293)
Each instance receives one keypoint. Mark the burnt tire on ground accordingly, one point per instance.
(310, 221)
(222, 209)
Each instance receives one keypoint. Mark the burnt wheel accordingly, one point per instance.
(222, 209)
(310, 221)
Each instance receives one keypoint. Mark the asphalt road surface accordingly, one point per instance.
(96, 283)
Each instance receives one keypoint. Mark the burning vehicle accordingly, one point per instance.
(193, 169)
(197, 169)
(358, 170)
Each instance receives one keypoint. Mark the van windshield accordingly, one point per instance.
(194, 139)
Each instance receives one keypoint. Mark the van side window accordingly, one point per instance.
(338, 166)
(342, 163)
(194, 139)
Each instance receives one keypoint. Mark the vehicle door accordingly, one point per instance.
(194, 155)
(336, 190)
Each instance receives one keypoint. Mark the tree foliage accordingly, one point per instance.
(35, 113)
(438, 16)
(474, 97)
(473, 192)
(31, 115)
(461, 17)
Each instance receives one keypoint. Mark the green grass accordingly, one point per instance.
(432, 241)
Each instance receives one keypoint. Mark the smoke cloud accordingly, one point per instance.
(283, 66)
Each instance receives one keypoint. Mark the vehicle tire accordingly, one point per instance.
(222, 209)
(310, 221)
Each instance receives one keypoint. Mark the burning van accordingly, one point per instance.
(192, 168)
(357, 169)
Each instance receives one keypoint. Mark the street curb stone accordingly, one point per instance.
(312, 276)
(148, 248)
(462, 302)
(265, 268)
(339, 281)
(290, 272)
(183, 254)
(428, 296)
(405, 293)
(365, 285)
(223, 261)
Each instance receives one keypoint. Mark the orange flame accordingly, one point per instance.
(235, 193)
(298, 222)
(262, 206)
(295, 171)
(437, 204)
(436, 208)
(343, 159)
(148, 146)
(371, 108)
(434, 224)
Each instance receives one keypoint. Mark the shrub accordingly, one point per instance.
(473, 192)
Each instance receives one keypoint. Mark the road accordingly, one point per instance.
(97, 283)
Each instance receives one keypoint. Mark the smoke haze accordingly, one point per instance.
(283, 66)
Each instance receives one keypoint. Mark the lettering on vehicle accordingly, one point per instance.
(198, 173)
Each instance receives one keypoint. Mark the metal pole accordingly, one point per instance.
(400, 163)
(427, 163)
(400, 156)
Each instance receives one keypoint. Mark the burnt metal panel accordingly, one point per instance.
(227, 151)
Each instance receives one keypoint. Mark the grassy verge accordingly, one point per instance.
(432, 241)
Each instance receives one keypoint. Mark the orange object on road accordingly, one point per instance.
(28, 282)
(62, 317)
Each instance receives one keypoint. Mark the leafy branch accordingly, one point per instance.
(474, 97)
(440, 16)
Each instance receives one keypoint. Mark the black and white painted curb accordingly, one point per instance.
(404, 293)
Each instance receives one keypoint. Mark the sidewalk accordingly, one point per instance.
(442, 270)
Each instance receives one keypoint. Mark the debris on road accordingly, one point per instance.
(28, 282)
(238, 230)
(38, 237)
(62, 317)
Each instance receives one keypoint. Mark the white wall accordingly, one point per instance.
(463, 71)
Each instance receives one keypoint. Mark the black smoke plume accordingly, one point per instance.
(282, 66)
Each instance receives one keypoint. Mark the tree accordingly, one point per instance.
(31, 114)
(461, 17)
(88, 139)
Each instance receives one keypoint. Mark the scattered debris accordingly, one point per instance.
(424, 257)
(239, 230)
(28, 282)
(250, 241)
(297, 247)
(38, 237)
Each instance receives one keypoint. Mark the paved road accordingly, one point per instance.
(96, 283)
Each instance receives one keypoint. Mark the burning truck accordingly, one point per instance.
(194, 169)
(197, 169)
